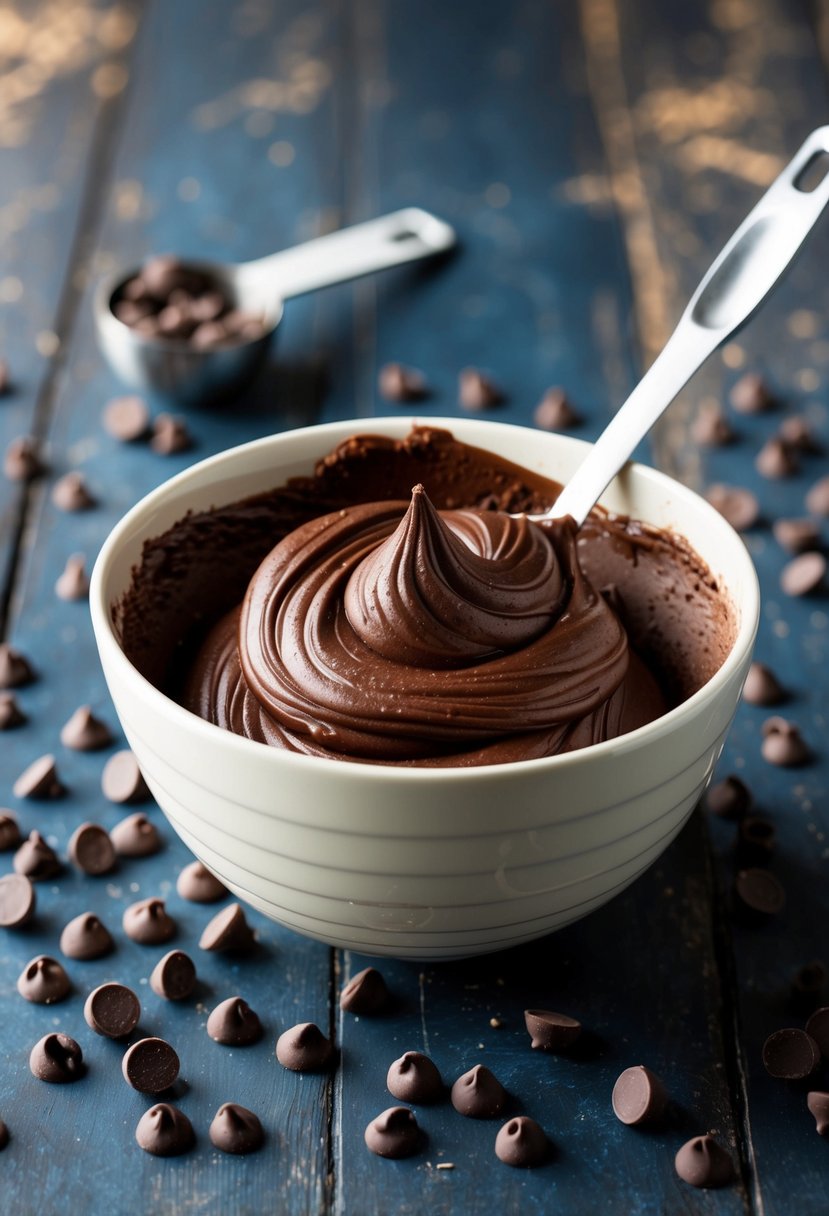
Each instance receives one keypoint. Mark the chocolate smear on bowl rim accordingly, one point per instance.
(234, 1023)
(394, 1133)
(174, 976)
(15, 668)
(817, 499)
(304, 1048)
(228, 930)
(10, 836)
(57, 1059)
(758, 895)
(84, 732)
(365, 993)
(126, 418)
(783, 743)
(817, 1103)
(477, 390)
(18, 901)
(804, 574)
(136, 836)
(151, 1065)
(762, 686)
(148, 922)
(751, 395)
(522, 1142)
(791, 1054)
(551, 1031)
(555, 412)
(86, 937)
(36, 859)
(11, 715)
(199, 885)
(39, 780)
(71, 493)
(91, 850)
(23, 461)
(401, 384)
(639, 1097)
(703, 1162)
(478, 1094)
(121, 780)
(43, 981)
(730, 798)
(235, 1129)
(737, 505)
(415, 1078)
(776, 459)
(796, 535)
(818, 1027)
(165, 1131)
(112, 1010)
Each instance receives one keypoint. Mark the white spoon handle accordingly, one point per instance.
(735, 286)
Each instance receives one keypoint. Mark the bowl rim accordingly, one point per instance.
(330, 433)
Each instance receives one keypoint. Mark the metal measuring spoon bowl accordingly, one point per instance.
(189, 373)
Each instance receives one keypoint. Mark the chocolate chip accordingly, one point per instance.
(817, 1104)
(196, 883)
(762, 686)
(522, 1142)
(131, 312)
(476, 391)
(175, 321)
(818, 1027)
(91, 850)
(11, 714)
(147, 921)
(304, 1048)
(84, 732)
(165, 273)
(170, 435)
(22, 460)
(782, 743)
(808, 984)
(57, 1059)
(639, 1096)
(112, 1010)
(703, 1162)
(71, 493)
(10, 836)
(401, 384)
(738, 506)
(243, 326)
(40, 780)
(758, 893)
(126, 419)
(86, 937)
(208, 306)
(394, 1133)
(73, 583)
(17, 901)
(551, 1031)
(804, 574)
(750, 395)
(43, 981)
(121, 780)
(755, 841)
(796, 432)
(174, 976)
(729, 798)
(478, 1094)
(234, 1023)
(15, 668)
(147, 327)
(365, 993)
(228, 930)
(36, 859)
(790, 1054)
(5, 378)
(414, 1078)
(776, 460)
(165, 1131)
(711, 428)
(235, 1129)
(150, 1066)
(208, 335)
(135, 836)
(796, 535)
(555, 412)
(817, 500)
(4, 1135)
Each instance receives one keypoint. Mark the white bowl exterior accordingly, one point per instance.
(424, 863)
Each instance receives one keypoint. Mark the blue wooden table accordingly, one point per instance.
(592, 155)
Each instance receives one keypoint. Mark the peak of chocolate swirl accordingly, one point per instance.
(391, 632)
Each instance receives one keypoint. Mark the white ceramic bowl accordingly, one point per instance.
(424, 863)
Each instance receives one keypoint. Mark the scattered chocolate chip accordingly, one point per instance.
(750, 395)
(57, 1059)
(112, 1010)
(135, 836)
(818, 1027)
(783, 744)
(10, 836)
(790, 1054)
(817, 1104)
(796, 432)
(15, 668)
(22, 461)
(228, 930)
(37, 860)
(234, 1023)
(235, 1129)
(86, 937)
(796, 535)
(126, 419)
(40, 780)
(414, 1078)
(304, 1048)
(4, 1135)
(365, 993)
(91, 850)
(808, 984)
(43, 981)
(11, 714)
(762, 686)
(150, 1066)
(84, 732)
(736, 505)
(165, 1131)
(555, 412)
(729, 798)
(199, 885)
(121, 780)
(756, 839)
(776, 459)
(401, 384)
(170, 435)
(758, 893)
(817, 500)
(551, 1031)
(394, 1133)
(71, 493)
(478, 1094)
(711, 428)
(522, 1142)
(804, 574)
(639, 1096)
(147, 921)
(17, 901)
(73, 583)
(5, 378)
(476, 391)
(703, 1162)
(174, 976)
